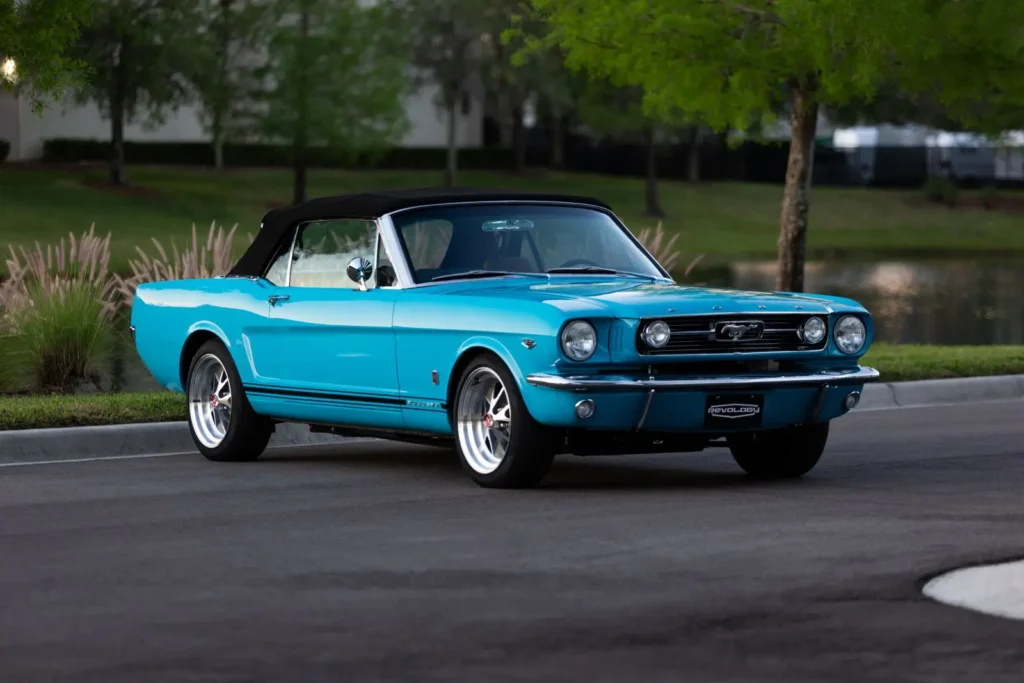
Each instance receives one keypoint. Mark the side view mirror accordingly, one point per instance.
(359, 271)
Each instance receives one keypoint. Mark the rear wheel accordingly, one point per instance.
(499, 443)
(224, 426)
(782, 453)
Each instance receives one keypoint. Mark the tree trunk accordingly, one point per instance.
(452, 167)
(557, 140)
(218, 153)
(220, 101)
(519, 137)
(796, 199)
(651, 189)
(693, 156)
(118, 95)
(117, 176)
(301, 138)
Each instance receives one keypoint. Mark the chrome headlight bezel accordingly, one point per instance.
(846, 327)
(570, 339)
(663, 330)
(821, 332)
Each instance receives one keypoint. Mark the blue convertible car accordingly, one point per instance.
(516, 325)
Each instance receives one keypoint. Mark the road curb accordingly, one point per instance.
(931, 392)
(32, 445)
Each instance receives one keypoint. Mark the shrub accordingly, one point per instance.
(941, 191)
(989, 197)
(5, 148)
(196, 260)
(70, 150)
(58, 305)
(663, 251)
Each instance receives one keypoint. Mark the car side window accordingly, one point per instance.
(323, 250)
(277, 273)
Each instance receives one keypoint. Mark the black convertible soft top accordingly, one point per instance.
(278, 223)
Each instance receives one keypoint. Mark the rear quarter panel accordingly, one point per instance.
(167, 314)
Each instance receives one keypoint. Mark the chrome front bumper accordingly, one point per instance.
(858, 375)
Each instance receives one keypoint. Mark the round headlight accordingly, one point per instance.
(656, 334)
(850, 334)
(814, 331)
(579, 340)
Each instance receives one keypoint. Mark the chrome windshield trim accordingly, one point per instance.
(860, 375)
(388, 234)
(393, 231)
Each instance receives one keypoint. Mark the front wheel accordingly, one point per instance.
(499, 443)
(781, 453)
(224, 426)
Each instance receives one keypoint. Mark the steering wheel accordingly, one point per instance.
(579, 262)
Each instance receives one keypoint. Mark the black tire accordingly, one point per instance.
(782, 453)
(530, 447)
(247, 433)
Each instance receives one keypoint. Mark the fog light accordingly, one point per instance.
(851, 400)
(584, 409)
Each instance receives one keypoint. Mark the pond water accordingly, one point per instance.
(921, 302)
(913, 302)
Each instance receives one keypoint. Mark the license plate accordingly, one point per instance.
(733, 411)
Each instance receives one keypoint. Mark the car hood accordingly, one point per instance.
(639, 299)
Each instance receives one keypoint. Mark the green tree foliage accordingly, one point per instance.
(731, 61)
(335, 76)
(35, 36)
(228, 50)
(139, 58)
(446, 40)
(618, 112)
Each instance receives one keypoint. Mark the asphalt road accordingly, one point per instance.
(370, 562)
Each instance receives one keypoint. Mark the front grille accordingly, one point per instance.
(696, 334)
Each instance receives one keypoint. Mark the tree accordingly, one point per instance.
(226, 67)
(728, 62)
(334, 77)
(517, 75)
(619, 111)
(139, 61)
(35, 37)
(447, 52)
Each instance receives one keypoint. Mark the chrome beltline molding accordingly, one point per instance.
(582, 383)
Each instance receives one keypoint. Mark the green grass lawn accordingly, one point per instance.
(719, 219)
(895, 362)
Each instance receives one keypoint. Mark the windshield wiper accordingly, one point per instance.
(471, 274)
(484, 273)
(597, 270)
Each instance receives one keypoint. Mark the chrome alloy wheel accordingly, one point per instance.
(209, 400)
(484, 420)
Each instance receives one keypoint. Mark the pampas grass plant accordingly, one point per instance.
(56, 308)
(197, 260)
(664, 250)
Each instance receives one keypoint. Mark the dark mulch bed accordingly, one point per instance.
(1010, 203)
(126, 190)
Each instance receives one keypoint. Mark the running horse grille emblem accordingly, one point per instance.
(739, 331)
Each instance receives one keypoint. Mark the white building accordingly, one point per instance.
(27, 131)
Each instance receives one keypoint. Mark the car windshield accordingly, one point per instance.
(443, 242)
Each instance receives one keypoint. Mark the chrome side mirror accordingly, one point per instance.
(359, 271)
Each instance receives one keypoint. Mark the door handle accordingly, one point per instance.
(274, 298)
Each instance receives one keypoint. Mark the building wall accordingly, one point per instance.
(26, 131)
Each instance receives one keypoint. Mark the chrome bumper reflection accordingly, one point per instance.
(859, 375)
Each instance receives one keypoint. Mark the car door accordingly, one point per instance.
(328, 350)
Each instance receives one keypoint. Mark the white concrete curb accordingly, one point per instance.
(30, 445)
(33, 445)
(930, 392)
